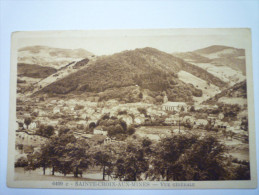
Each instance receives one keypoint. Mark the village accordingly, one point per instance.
(147, 120)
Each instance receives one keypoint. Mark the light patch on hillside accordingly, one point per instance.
(52, 57)
(219, 53)
(224, 73)
(208, 90)
(233, 100)
(44, 59)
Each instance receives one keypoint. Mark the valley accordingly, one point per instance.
(129, 103)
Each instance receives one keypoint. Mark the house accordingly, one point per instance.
(53, 101)
(56, 110)
(139, 120)
(212, 117)
(201, 122)
(172, 120)
(32, 126)
(41, 113)
(174, 106)
(208, 107)
(221, 125)
(99, 131)
(82, 135)
(127, 119)
(221, 116)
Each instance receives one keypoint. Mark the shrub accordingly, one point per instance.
(21, 162)
(122, 112)
(142, 111)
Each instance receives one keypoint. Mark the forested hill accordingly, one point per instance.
(34, 70)
(148, 68)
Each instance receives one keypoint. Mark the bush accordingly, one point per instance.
(197, 93)
(21, 162)
(122, 112)
(142, 111)
(46, 131)
(131, 130)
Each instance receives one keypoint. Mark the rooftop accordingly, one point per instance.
(174, 104)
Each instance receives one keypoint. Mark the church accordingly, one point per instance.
(173, 106)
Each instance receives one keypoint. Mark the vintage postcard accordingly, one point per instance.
(132, 109)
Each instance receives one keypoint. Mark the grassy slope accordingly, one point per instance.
(230, 59)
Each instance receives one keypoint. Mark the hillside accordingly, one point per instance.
(226, 63)
(51, 57)
(203, 74)
(192, 57)
(219, 48)
(226, 56)
(148, 68)
(34, 70)
(236, 92)
(208, 89)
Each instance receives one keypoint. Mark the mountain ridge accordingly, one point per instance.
(50, 56)
(148, 68)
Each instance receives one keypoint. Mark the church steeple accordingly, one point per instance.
(165, 98)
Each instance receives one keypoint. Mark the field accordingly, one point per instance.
(89, 175)
(224, 73)
(208, 90)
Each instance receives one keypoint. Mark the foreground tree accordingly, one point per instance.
(165, 162)
(206, 160)
(103, 156)
(46, 131)
(27, 121)
(132, 162)
(79, 157)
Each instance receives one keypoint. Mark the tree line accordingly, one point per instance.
(178, 157)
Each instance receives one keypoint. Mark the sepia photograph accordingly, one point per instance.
(145, 109)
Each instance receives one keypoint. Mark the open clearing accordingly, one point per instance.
(209, 90)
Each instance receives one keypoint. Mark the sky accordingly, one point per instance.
(108, 42)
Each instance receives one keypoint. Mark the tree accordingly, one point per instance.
(103, 157)
(131, 130)
(46, 131)
(77, 154)
(206, 161)
(92, 125)
(131, 162)
(53, 153)
(49, 131)
(192, 109)
(140, 95)
(39, 159)
(242, 172)
(164, 163)
(119, 168)
(123, 124)
(27, 121)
